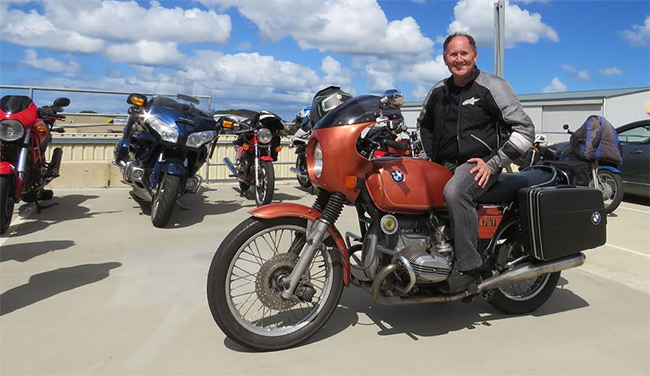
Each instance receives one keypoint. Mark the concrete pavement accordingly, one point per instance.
(91, 287)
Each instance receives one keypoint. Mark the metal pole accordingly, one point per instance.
(499, 36)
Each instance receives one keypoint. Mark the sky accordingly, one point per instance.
(275, 54)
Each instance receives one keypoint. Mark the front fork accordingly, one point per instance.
(593, 166)
(22, 156)
(315, 236)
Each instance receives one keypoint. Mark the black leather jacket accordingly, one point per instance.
(491, 125)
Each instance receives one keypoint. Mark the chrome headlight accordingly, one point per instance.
(318, 161)
(264, 136)
(166, 131)
(11, 130)
(196, 140)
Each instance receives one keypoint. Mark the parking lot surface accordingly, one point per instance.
(89, 286)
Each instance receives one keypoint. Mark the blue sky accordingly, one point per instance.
(275, 54)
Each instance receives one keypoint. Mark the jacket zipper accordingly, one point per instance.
(481, 141)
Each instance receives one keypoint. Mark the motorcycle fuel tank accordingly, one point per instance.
(407, 185)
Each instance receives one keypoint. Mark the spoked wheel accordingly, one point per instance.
(245, 284)
(266, 186)
(611, 185)
(301, 165)
(523, 296)
(7, 201)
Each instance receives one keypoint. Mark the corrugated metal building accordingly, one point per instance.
(550, 111)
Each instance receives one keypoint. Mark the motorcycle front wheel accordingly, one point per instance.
(7, 201)
(523, 296)
(301, 165)
(266, 183)
(611, 185)
(165, 199)
(244, 290)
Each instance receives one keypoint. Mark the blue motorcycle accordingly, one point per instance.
(165, 142)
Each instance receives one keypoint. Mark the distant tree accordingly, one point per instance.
(87, 112)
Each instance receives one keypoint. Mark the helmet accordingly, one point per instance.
(326, 100)
(303, 119)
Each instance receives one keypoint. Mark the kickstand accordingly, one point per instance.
(39, 207)
(182, 206)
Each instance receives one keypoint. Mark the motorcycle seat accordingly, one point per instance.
(507, 185)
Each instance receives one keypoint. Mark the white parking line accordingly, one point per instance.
(16, 223)
(628, 250)
(636, 210)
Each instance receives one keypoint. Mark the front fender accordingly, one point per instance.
(278, 210)
(610, 168)
(7, 168)
(174, 168)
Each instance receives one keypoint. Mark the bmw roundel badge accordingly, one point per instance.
(595, 218)
(397, 176)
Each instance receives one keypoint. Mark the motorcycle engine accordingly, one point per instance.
(427, 249)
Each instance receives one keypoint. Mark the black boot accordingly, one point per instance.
(459, 281)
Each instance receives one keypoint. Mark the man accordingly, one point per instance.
(473, 124)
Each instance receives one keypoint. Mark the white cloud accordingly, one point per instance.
(638, 36)
(580, 75)
(51, 64)
(128, 21)
(613, 71)
(34, 30)
(556, 86)
(477, 18)
(355, 27)
(335, 73)
(144, 52)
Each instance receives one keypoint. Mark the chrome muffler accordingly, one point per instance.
(516, 274)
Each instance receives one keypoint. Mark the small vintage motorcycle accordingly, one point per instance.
(258, 145)
(278, 276)
(24, 135)
(165, 142)
(299, 141)
(606, 177)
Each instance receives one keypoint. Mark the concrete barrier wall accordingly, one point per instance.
(87, 161)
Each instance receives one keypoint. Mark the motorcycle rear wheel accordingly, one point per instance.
(301, 164)
(7, 201)
(523, 296)
(165, 200)
(264, 192)
(611, 185)
(243, 290)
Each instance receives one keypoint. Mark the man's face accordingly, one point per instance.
(459, 57)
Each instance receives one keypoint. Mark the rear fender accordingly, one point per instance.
(301, 211)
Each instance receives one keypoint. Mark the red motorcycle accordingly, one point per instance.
(278, 276)
(24, 135)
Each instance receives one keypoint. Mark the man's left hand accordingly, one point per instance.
(482, 171)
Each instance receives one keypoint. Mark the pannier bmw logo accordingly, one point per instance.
(397, 176)
(595, 218)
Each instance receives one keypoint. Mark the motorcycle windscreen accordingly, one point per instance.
(407, 185)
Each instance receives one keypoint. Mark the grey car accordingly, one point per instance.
(635, 143)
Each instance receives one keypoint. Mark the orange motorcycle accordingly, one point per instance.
(278, 276)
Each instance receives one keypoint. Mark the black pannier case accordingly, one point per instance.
(562, 220)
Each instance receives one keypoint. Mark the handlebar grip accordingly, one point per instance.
(397, 145)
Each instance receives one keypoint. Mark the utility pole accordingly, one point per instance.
(499, 36)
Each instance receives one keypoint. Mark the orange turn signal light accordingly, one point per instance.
(350, 182)
(246, 147)
(41, 129)
(227, 124)
(278, 149)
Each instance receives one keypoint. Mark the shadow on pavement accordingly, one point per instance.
(27, 251)
(639, 200)
(46, 285)
(65, 208)
(424, 320)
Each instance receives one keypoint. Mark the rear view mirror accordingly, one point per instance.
(392, 98)
(61, 102)
(136, 99)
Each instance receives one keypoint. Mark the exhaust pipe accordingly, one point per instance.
(230, 166)
(516, 274)
(528, 270)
